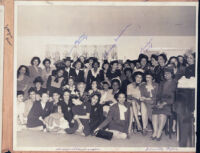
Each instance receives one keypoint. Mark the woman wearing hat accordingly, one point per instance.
(77, 73)
(165, 99)
(56, 82)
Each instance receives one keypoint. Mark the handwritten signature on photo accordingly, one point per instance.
(78, 42)
(116, 39)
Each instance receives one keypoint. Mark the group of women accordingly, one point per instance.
(88, 95)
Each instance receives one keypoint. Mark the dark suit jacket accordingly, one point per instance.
(77, 78)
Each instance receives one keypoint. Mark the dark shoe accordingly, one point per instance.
(144, 132)
(158, 139)
(153, 138)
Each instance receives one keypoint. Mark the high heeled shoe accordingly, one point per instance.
(153, 138)
(158, 139)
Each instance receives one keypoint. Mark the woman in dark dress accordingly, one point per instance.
(183, 63)
(56, 83)
(39, 111)
(190, 69)
(143, 59)
(159, 72)
(119, 118)
(113, 72)
(178, 73)
(77, 73)
(96, 112)
(104, 70)
(93, 74)
(66, 106)
(154, 63)
(165, 99)
(128, 80)
(81, 115)
(38, 82)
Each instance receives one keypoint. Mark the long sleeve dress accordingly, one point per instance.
(118, 118)
(36, 112)
(96, 117)
(166, 93)
(149, 92)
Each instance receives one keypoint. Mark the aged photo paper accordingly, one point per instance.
(105, 76)
(1, 64)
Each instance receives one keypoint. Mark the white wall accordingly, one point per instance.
(128, 46)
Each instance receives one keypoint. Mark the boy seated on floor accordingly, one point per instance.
(20, 111)
(56, 122)
(81, 115)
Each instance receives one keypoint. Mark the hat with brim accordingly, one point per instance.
(78, 61)
(68, 59)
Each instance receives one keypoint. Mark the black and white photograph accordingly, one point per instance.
(105, 76)
(1, 64)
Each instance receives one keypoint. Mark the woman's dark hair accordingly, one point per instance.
(98, 84)
(95, 94)
(117, 95)
(31, 90)
(104, 63)
(115, 80)
(35, 58)
(20, 92)
(154, 56)
(163, 56)
(38, 79)
(46, 60)
(26, 73)
(169, 61)
(137, 73)
(184, 60)
(149, 73)
(141, 56)
(95, 61)
(128, 69)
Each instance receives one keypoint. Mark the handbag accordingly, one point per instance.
(104, 134)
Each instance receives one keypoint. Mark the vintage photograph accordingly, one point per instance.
(1, 64)
(105, 76)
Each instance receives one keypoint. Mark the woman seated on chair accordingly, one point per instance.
(133, 96)
(119, 118)
(165, 98)
(148, 91)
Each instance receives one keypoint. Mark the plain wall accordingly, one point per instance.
(129, 47)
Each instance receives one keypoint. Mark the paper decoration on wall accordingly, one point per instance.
(58, 52)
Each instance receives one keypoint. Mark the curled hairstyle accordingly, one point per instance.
(35, 58)
(19, 69)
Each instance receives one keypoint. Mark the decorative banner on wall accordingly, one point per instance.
(58, 52)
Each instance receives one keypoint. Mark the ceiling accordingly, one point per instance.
(58, 20)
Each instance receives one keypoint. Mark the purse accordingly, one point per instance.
(104, 134)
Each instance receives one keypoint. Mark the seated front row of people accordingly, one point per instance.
(84, 112)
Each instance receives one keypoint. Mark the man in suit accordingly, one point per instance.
(68, 68)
